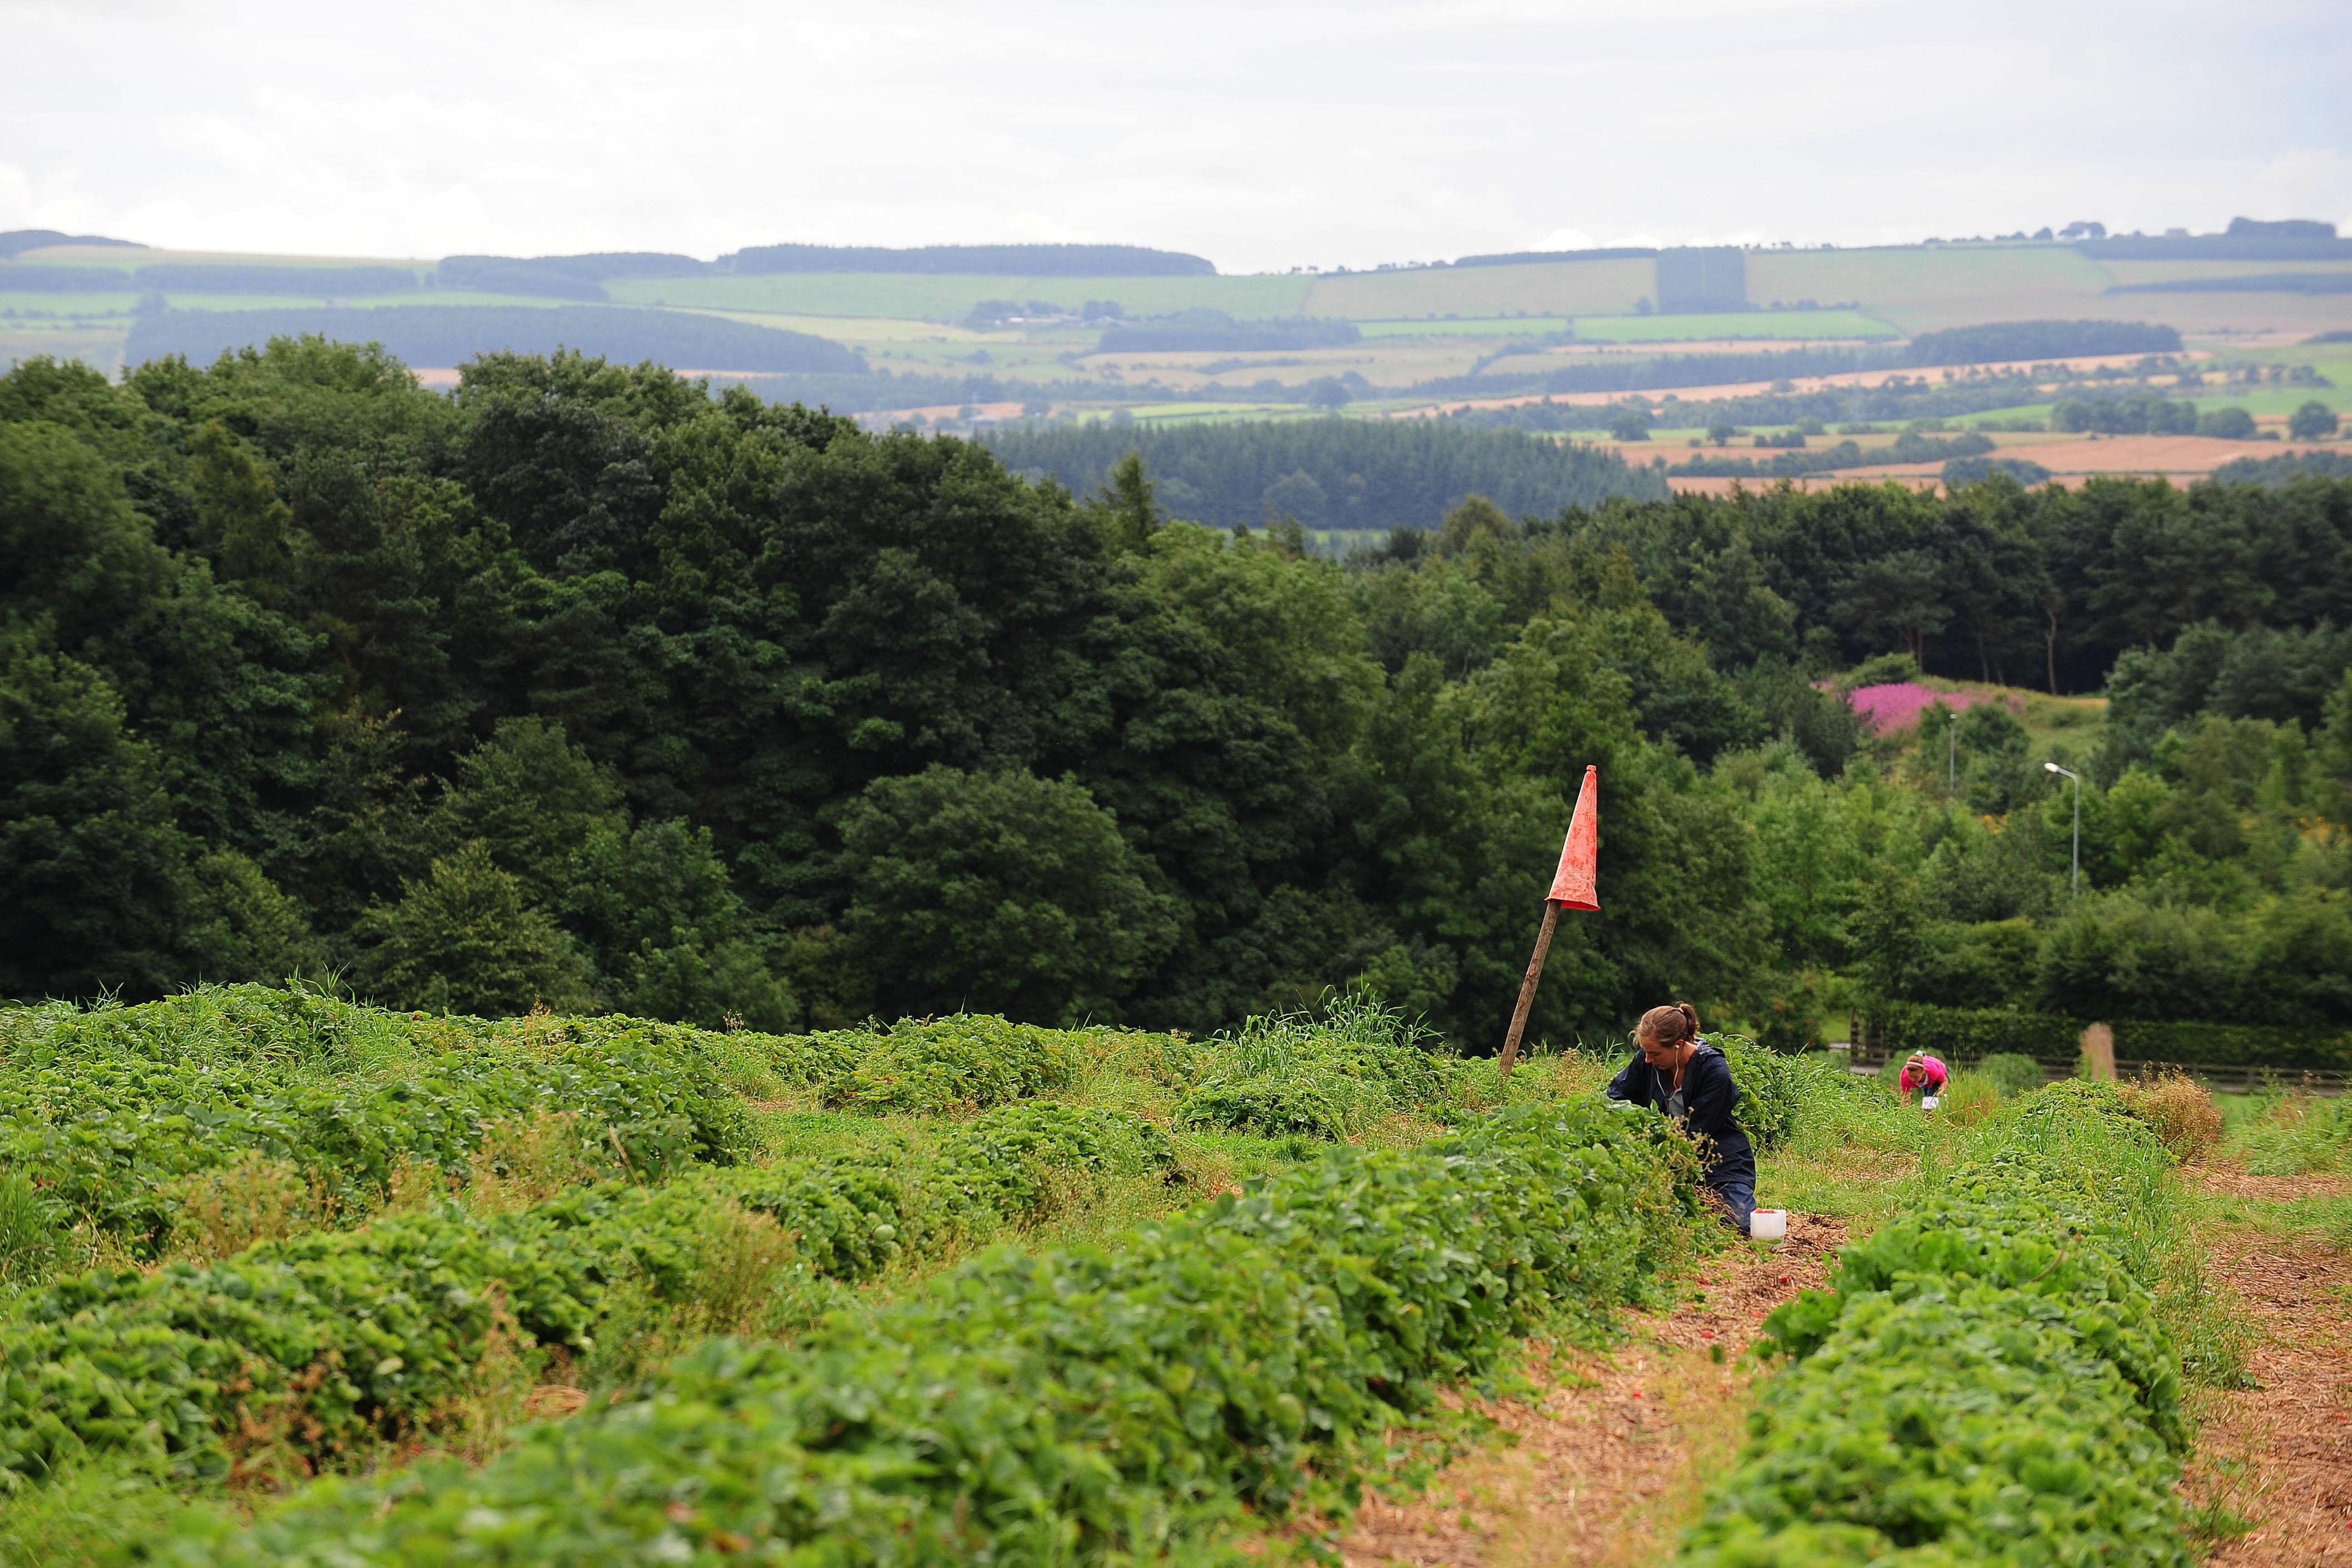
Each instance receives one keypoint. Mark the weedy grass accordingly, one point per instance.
(2011, 1073)
(1994, 1373)
(1838, 1144)
(1331, 1073)
(2320, 1219)
(1967, 1099)
(228, 1208)
(32, 1231)
(2295, 1134)
(968, 1061)
(1353, 1069)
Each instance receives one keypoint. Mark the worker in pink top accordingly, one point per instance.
(1923, 1071)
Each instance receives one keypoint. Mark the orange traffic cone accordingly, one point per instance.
(1572, 887)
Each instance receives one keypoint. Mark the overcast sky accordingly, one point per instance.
(1263, 135)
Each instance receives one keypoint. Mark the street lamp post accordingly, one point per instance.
(2075, 890)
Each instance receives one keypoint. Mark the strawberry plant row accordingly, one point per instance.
(1986, 1381)
(109, 1107)
(1083, 1405)
(105, 1135)
(963, 1061)
(325, 1344)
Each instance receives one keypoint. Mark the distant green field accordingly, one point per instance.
(1760, 325)
(926, 296)
(132, 256)
(1475, 293)
(863, 329)
(1190, 413)
(1454, 327)
(2173, 271)
(2276, 399)
(2333, 361)
(1919, 287)
(25, 302)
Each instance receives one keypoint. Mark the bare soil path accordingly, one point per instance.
(1611, 1462)
(2281, 1454)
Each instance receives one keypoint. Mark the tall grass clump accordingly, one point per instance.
(2179, 1108)
(1326, 1072)
(964, 1062)
(1812, 1104)
(32, 1236)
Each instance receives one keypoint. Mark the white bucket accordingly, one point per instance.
(1929, 1102)
(1768, 1224)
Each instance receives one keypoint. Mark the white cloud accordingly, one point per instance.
(1261, 135)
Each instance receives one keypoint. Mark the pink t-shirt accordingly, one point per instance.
(1932, 1076)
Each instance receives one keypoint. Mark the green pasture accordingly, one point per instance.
(1763, 326)
(2129, 272)
(2261, 402)
(28, 304)
(2278, 400)
(119, 306)
(1455, 327)
(864, 330)
(1209, 411)
(1919, 289)
(1473, 293)
(99, 346)
(132, 257)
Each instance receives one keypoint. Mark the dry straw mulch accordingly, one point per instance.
(2226, 1180)
(1611, 1461)
(2281, 1454)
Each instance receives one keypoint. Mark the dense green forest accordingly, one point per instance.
(583, 687)
(1345, 475)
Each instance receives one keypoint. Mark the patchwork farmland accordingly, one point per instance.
(949, 350)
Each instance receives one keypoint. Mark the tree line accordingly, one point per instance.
(1347, 474)
(582, 686)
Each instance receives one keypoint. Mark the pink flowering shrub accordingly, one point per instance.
(1898, 704)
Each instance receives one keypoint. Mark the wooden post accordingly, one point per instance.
(2099, 1051)
(1527, 987)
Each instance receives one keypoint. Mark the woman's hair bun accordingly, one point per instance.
(1671, 1024)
